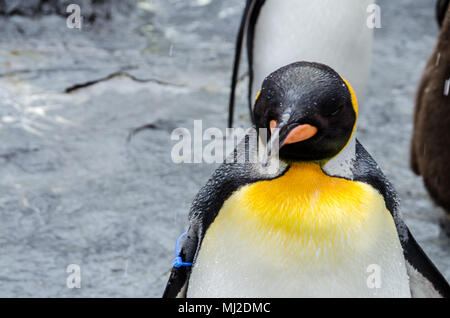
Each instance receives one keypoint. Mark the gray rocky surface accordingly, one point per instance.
(76, 190)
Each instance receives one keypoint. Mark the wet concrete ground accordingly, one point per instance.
(76, 190)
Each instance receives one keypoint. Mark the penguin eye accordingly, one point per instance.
(337, 111)
(331, 110)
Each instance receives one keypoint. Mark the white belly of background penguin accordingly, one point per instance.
(325, 223)
(331, 32)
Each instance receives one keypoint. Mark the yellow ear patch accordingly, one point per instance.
(257, 95)
(355, 108)
(353, 95)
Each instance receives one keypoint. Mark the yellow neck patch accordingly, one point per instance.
(305, 200)
(306, 209)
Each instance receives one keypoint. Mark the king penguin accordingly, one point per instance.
(277, 33)
(324, 222)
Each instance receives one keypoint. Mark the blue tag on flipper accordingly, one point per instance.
(178, 261)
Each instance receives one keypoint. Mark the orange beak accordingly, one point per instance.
(299, 133)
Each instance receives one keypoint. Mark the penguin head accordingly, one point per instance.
(314, 108)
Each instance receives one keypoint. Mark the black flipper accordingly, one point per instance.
(246, 28)
(237, 62)
(417, 258)
(179, 276)
(366, 170)
(228, 178)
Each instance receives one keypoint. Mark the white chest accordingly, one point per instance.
(238, 267)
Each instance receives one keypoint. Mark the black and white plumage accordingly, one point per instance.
(250, 256)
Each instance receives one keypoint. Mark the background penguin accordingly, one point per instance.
(281, 32)
(312, 226)
(441, 10)
(430, 145)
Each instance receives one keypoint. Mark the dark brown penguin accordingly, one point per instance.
(430, 147)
